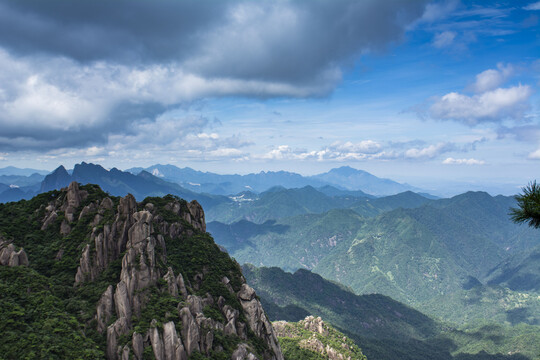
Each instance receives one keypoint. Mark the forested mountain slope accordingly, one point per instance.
(88, 275)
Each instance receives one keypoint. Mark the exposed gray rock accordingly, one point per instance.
(172, 285)
(242, 353)
(231, 315)
(114, 331)
(65, 229)
(5, 252)
(85, 270)
(97, 220)
(173, 347)
(241, 330)
(10, 257)
(127, 206)
(105, 309)
(106, 203)
(190, 331)
(23, 258)
(315, 324)
(125, 353)
(73, 200)
(221, 303)
(197, 215)
(49, 219)
(181, 286)
(138, 346)
(157, 342)
(257, 320)
(88, 209)
(197, 281)
(112, 343)
(195, 304)
(122, 302)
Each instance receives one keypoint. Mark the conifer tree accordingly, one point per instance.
(528, 210)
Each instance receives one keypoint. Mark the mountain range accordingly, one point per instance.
(400, 275)
(345, 178)
(418, 254)
(16, 184)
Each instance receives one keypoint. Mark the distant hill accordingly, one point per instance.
(416, 254)
(13, 194)
(277, 203)
(330, 190)
(291, 243)
(11, 170)
(22, 180)
(353, 179)
(376, 206)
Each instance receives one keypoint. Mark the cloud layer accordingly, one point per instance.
(75, 73)
(372, 150)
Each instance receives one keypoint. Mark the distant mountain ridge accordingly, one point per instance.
(344, 178)
(12, 170)
(353, 179)
(120, 183)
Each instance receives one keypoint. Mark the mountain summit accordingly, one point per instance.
(354, 179)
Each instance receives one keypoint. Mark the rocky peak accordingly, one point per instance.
(139, 238)
(166, 288)
(314, 335)
(58, 179)
(9, 256)
(315, 324)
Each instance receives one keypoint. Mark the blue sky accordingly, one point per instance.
(424, 92)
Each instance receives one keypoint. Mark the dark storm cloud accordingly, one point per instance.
(75, 72)
(286, 41)
(120, 30)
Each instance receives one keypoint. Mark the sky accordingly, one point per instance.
(432, 93)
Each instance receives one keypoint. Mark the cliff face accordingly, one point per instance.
(167, 290)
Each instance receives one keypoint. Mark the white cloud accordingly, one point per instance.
(428, 152)
(95, 151)
(452, 161)
(492, 78)
(364, 147)
(494, 105)
(533, 6)
(444, 39)
(368, 150)
(535, 155)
